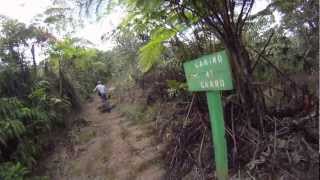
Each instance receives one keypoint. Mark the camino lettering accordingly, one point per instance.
(206, 62)
(216, 83)
(219, 59)
(214, 60)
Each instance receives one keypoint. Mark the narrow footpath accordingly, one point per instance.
(105, 147)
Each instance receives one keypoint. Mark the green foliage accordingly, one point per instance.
(151, 52)
(25, 124)
(175, 87)
(134, 112)
(27, 152)
(154, 33)
(60, 19)
(15, 36)
(35, 98)
(12, 171)
(11, 110)
(294, 45)
(15, 117)
(83, 66)
(138, 113)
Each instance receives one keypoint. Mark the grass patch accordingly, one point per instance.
(82, 137)
(137, 114)
(86, 136)
(147, 133)
(156, 161)
(75, 169)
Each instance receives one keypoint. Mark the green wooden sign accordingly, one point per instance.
(210, 72)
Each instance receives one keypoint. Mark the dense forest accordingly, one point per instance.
(271, 116)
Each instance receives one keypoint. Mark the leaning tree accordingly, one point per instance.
(226, 19)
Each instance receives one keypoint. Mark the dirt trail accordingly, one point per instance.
(106, 148)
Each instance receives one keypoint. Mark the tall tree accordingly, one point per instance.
(16, 38)
(225, 18)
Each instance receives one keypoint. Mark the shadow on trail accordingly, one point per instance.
(106, 108)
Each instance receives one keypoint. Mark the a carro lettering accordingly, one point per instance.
(212, 84)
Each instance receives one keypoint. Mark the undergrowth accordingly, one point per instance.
(137, 114)
(25, 129)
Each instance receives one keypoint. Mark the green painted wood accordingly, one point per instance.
(209, 72)
(218, 132)
(212, 73)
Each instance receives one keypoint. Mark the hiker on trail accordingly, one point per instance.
(102, 91)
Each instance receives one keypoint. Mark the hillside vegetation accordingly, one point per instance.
(271, 116)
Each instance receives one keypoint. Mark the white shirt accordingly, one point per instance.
(101, 89)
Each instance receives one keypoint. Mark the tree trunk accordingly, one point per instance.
(250, 95)
(34, 60)
(60, 77)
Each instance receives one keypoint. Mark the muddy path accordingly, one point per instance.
(106, 147)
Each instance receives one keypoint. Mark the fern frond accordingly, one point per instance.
(150, 53)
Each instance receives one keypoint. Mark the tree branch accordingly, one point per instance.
(241, 13)
(262, 52)
(245, 17)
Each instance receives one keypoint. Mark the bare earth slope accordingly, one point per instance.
(106, 148)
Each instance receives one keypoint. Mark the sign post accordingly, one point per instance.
(211, 73)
